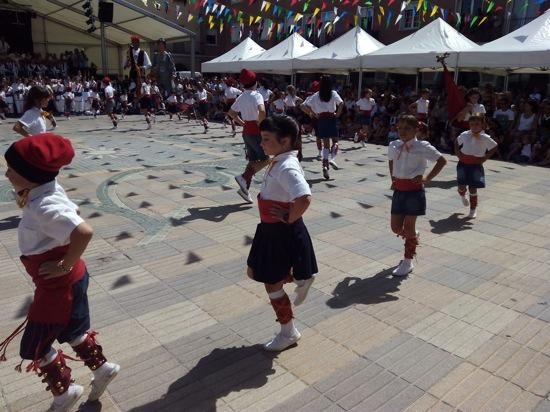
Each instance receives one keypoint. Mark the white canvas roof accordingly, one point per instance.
(419, 50)
(232, 61)
(128, 19)
(280, 58)
(343, 53)
(525, 49)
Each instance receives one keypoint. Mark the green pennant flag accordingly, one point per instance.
(490, 7)
(306, 6)
(425, 5)
(473, 22)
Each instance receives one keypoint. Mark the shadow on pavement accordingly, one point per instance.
(218, 374)
(368, 291)
(454, 223)
(9, 223)
(212, 214)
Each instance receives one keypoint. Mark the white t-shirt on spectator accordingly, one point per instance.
(366, 104)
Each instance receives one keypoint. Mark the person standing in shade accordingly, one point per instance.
(164, 68)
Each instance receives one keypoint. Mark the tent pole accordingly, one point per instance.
(416, 80)
(360, 83)
(456, 69)
(192, 52)
(506, 79)
(103, 49)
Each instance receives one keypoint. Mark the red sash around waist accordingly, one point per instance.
(406, 185)
(365, 112)
(326, 115)
(53, 297)
(265, 207)
(471, 160)
(229, 101)
(251, 128)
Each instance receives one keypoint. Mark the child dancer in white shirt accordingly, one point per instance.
(473, 147)
(282, 250)
(408, 160)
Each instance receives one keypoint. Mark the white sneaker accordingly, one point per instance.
(363, 143)
(149, 126)
(472, 214)
(405, 267)
(320, 155)
(241, 181)
(356, 138)
(102, 377)
(280, 342)
(465, 201)
(333, 163)
(246, 196)
(64, 402)
(325, 173)
(302, 289)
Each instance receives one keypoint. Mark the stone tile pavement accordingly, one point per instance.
(469, 330)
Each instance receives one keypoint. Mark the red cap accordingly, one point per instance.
(247, 78)
(38, 158)
(135, 38)
(106, 80)
(315, 86)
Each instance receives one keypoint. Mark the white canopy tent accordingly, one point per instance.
(418, 51)
(341, 54)
(232, 61)
(63, 24)
(281, 58)
(524, 50)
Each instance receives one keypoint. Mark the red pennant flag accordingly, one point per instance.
(355, 3)
(250, 2)
(293, 3)
(345, 2)
(390, 2)
(455, 98)
(324, 6)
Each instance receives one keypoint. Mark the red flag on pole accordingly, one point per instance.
(455, 97)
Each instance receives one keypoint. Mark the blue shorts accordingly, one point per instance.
(253, 148)
(38, 337)
(470, 175)
(364, 120)
(411, 203)
(327, 128)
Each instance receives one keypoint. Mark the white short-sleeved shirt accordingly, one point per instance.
(232, 92)
(172, 99)
(69, 95)
(477, 108)
(123, 97)
(190, 101)
(48, 219)
(279, 104)
(318, 106)
(422, 106)
(202, 95)
(247, 104)
(146, 89)
(33, 121)
(284, 180)
(366, 104)
(408, 164)
(290, 101)
(265, 93)
(526, 123)
(475, 146)
(109, 92)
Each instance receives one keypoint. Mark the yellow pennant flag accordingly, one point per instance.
(250, 20)
(356, 20)
(258, 18)
(298, 17)
(221, 27)
(482, 20)
(267, 5)
(210, 18)
(379, 18)
(211, 25)
(434, 10)
(419, 5)
(189, 18)
(316, 11)
(381, 10)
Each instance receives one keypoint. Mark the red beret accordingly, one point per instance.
(38, 158)
(315, 86)
(135, 38)
(247, 78)
(106, 80)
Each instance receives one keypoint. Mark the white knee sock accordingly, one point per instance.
(78, 340)
(48, 358)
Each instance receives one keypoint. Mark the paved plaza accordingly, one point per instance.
(468, 330)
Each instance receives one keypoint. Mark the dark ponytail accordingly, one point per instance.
(284, 126)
